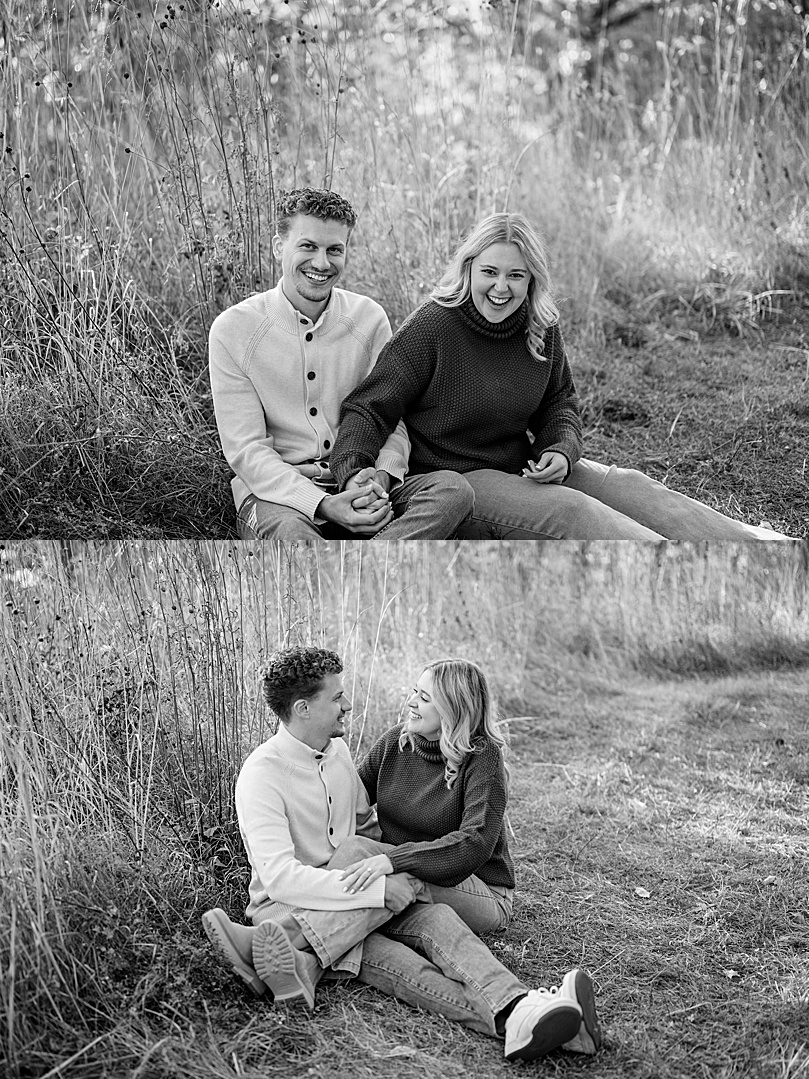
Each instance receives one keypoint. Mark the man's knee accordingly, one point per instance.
(259, 521)
(453, 487)
(354, 849)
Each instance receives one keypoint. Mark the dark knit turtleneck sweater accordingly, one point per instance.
(441, 836)
(468, 390)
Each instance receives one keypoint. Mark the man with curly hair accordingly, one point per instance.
(281, 363)
(304, 816)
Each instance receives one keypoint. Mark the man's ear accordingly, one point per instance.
(278, 246)
(299, 709)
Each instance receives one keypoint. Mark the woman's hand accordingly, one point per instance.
(359, 875)
(550, 468)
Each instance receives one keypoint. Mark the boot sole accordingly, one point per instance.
(215, 924)
(274, 960)
(550, 1032)
(588, 1039)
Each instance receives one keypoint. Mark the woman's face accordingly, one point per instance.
(424, 717)
(500, 280)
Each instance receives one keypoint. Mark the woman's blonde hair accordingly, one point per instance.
(462, 697)
(455, 286)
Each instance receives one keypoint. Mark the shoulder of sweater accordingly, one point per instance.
(428, 314)
(486, 753)
(389, 739)
(245, 316)
(262, 760)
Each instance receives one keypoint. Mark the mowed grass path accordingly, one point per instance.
(693, 791)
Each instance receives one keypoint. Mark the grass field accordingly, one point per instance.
(657, 707)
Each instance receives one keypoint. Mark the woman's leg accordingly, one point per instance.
(513, 507)
(484, 909)
(669, 513)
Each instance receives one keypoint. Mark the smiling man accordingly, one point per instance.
(304, 817)
(281, 363)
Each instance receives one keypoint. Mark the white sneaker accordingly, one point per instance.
(577, 985)
(541, 1022)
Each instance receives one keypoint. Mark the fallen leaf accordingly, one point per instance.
(643, 893)
(730, 973)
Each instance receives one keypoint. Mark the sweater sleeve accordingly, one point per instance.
(270, 848)
(369, 766)
(457, 855)
(395, 453)
(372, 410)
(556, 424)
(248, 447)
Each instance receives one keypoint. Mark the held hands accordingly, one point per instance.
(551, 468)
(380, 486)
(358, 509)
(363, 507)
(359, 875)
(400, 891)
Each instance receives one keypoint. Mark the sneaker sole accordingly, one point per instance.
(550, 1032)
(274, 960)
(588, 1038)
(215, 924)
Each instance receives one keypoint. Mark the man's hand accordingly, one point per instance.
(380, 486)
(340, 510)
(359, 875)
(399, 892)
(550, 468)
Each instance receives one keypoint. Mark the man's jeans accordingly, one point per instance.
(428, 957)
(428, 506)
(595, 502)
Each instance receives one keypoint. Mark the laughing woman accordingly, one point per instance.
(480, 376)
(439, 783)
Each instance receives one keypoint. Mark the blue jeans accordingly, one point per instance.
(483, 907)
(428, 506)
(595, 502)
(428, 957)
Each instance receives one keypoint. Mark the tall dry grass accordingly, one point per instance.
(130, 694)
(143, 147)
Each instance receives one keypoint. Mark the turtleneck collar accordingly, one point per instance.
(496, 330)
(427, 750)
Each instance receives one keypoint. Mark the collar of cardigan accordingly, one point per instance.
(296, 751)
(496, 330)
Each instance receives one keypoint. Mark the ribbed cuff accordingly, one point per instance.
(343, 470)
(393, 464)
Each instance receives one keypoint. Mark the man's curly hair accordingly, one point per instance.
(292, 674)
(313, 201)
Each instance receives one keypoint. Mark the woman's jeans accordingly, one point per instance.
(595, 502)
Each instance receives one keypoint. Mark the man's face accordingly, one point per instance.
(312, 257)
(326, 711)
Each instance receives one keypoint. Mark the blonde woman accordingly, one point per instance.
(439, 783)
(480, 376)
